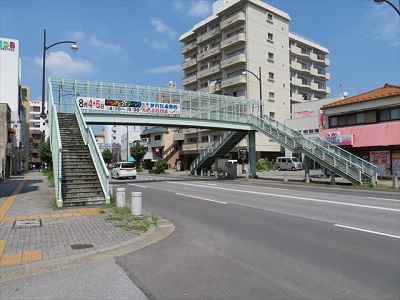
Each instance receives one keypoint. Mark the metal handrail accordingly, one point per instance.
(90, 141)
(56, 147)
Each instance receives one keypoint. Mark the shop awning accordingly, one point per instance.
(383, 134)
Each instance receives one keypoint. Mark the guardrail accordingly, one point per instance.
(328, 154)
(56, 147)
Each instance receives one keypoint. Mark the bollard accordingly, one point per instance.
(333, 182)
(136, 203)
(285, 178)
(395, 182)
(120, 197)
(307, 180)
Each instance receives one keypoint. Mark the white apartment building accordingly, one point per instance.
(13, 137)
(245, 49)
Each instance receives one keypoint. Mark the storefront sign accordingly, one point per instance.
(396, 164)
(128, 106)
(335, 137)
(381, 159)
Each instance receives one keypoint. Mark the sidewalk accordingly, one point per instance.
(34, 236)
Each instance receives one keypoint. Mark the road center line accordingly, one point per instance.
(386, 199)
(292, 197)
(201, 198)
(369, 231)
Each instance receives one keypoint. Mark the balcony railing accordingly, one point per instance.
(241, 37)
(209, 71)
(208, 35)
(233, 20)
(189, 80)
(189, 63)
(234, 60)
(208, 53)
(186, 48)
(233, 81)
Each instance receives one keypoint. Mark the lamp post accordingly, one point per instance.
(388, 2)
(259, 80)
(74, 48)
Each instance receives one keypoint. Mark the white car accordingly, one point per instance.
(123, 170)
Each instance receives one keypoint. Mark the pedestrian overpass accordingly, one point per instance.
(129, 104)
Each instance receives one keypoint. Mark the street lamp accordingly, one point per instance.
(74, 48)
(388, 2)
(259, 80)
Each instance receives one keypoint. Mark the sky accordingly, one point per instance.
(137, 42)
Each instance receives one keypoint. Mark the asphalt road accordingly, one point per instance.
(238, 240)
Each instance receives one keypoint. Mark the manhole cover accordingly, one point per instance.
(81, 246)
(27, 223)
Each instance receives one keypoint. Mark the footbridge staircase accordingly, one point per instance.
(332, 157)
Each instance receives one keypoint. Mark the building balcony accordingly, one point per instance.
(320, 74)
(233, 20)
(233, 81)
(209, 71)
(296, 97)
(208, 53)
(232, 41)
(299, 52)
(189, 80)
(320, 88)
(208, 35)
(189, 63)
(187, 48)
(233, 61)
(321, 59)
(211, 88)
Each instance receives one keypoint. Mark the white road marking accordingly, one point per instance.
(386, 199)
(201, 198)
(369, 231)
(292, 197)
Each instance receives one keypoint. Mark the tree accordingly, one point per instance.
(45, 153)
(107, 156)
(138, 151)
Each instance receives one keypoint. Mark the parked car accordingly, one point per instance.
(124, 170)
(288, 163)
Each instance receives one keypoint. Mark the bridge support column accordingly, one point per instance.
(252, 154)
(216, 167)
(306, 165)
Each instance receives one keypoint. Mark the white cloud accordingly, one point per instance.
(200, 8)
(61, 64)
(95, 42)
(161, 27)
(76, 35)
(157, 45)
(164, 69)
(385, 24)
(178, 5)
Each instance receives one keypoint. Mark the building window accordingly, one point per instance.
(271, 77)
(272, 114)
(270, 37)
(236, 73)
(270, 18)
(204, 138)
(234, 53)
(157, 137)
(271, 95)
(192, 140)
(270, 57)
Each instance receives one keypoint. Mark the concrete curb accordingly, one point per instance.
(153, 235)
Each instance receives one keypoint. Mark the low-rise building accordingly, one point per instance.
(367, 125)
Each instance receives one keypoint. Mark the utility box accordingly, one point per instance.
(231, 169)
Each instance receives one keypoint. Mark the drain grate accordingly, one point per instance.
(27, 223)
(81, 246)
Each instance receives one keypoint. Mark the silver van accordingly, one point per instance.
(288, 163)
